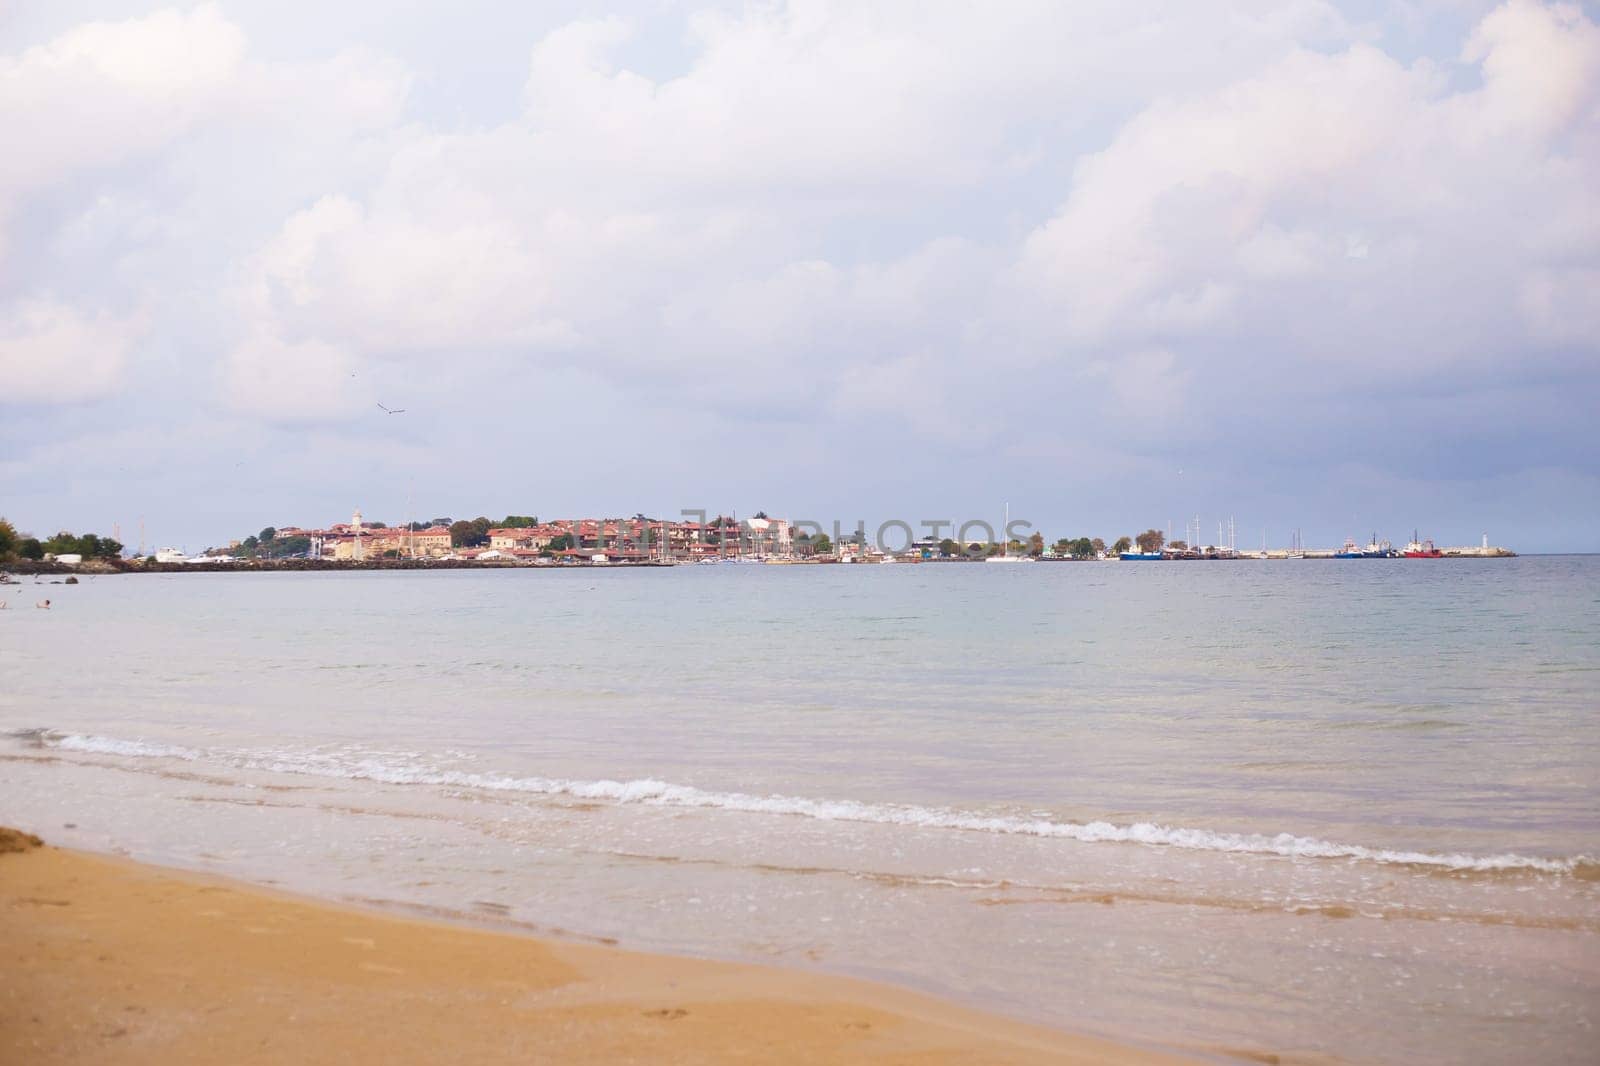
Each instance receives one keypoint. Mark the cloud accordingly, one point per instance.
(1146, 386)
(396, 281)
(1541, 64)
(684, 232)
(1096, 222)
(51, 353)
(1344, 203)
(105, 90)
(291, 381)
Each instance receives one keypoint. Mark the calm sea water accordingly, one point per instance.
(1349, 808)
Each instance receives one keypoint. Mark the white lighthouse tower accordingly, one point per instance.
(355, 530)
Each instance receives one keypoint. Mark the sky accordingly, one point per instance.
(1308, 265)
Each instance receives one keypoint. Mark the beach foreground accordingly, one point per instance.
(112, 961)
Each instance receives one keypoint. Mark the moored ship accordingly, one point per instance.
(1421, 549)
(1376, 549)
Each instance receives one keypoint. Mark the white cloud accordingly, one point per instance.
(822, 212)
(109, 95)
(1340, 203)
(668, 228)
(51, 353)
(1541, 64)
(1146, 386)
(104, 90)
(291, 381)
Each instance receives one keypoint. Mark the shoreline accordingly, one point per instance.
(16, 569)
(115, 960)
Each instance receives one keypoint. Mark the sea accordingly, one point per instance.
(1326, 810)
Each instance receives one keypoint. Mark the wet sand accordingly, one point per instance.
(110, 961)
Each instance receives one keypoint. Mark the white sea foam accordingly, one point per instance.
(113, 746)
(414, 771)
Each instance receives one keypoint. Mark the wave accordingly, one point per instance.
(111, 746)
(666, 794)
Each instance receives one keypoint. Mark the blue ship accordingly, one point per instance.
(1140, 557)
(1375, 550)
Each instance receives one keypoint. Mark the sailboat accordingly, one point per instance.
(1005, 555)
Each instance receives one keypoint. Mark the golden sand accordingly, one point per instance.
(108, 961)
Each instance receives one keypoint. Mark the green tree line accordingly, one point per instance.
(15, 545)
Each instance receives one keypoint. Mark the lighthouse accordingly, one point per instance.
(355, 531)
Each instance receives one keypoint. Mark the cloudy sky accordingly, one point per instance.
(1333, 266)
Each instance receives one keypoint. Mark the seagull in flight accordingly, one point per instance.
(392, 410)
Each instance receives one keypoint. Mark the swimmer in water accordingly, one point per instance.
(43, 605)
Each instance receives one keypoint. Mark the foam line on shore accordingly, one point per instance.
(654, 792)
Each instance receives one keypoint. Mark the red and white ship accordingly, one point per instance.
(1421, 549)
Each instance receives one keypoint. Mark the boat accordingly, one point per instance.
(1376, 549)
(1005, 556)
(1421, 549)
(1140, 557)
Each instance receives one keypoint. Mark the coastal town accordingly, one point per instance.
(647, 541)
(526, 540)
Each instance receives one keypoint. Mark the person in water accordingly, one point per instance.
(43, 605)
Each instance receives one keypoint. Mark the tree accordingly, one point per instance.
(1179, 546)
(822, 544)
(1036, 545)
(473, 534)
(8, 539)
(519, 521)
(266, 535)
(248, 545)
(948, 547)
(1151, 540)
(559, 544)
(284, 547)
(1083, 548)
(1098, 545)
(1122, 545)
(30, 548)
(89, 545)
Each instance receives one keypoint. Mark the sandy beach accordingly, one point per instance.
(110, 961)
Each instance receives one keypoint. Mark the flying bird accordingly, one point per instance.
(392, 410)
